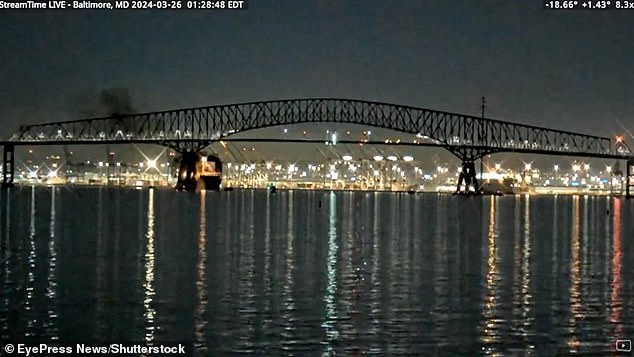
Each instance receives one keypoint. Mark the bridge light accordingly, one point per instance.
(408, 158)
(378, 158)
(347, 158)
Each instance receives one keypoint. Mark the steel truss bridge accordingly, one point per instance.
(192, 129)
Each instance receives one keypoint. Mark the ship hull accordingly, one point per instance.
(210, 183)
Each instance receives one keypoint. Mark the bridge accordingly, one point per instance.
(190, 130)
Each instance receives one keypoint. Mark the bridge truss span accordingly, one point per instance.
(468, 137)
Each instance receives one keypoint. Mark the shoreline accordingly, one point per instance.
(411, 192)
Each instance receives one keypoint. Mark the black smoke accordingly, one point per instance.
(108, 102)
(116, 101)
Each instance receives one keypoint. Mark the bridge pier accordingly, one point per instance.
(468, 176)
(198, 171)
(8, 166)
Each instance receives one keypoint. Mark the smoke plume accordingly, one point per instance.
(114, 101)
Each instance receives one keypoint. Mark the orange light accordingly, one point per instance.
(619, 139)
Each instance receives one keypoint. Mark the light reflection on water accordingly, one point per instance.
(201, 281)
(317, 272)
(148, 284)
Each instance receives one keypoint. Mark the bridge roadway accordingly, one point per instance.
(192, 129)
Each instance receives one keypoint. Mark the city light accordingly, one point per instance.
(408, 158)
(608, 169)
(498, 166)
(527, 166)
(347, 158)
(586, 167)
(556, 167)
(576, 167)
(378, 158)
(151, 164)
(392, 158)
(333, 138)
(619, 139)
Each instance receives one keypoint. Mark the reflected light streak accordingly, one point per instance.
(51, 290)
(490, 330)
(616, 304)
(375, 311)
(575, 278)
(7, 223)
(331, 288)
(148, 285)
(4, 260)
(289, 303)
(526, 297)
(28, 304)
(201, 283)
(267, 253)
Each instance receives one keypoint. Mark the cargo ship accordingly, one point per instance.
(210, 173)
(197, 172)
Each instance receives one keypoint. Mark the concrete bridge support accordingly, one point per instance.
(8, 166)
(468, 176)
(198, 172)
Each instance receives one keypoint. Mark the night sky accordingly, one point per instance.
(570, 70)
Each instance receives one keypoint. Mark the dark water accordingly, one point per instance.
(317, 273)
